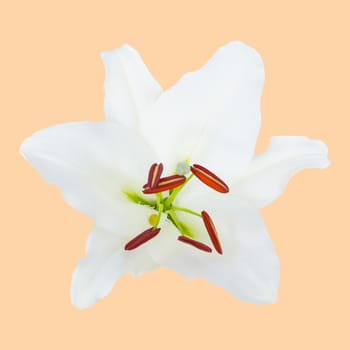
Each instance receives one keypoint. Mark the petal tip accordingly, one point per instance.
(25, 148)
(22, 148)
(79, 304)
(322, 150)
(265, 296)
(78, 298)
(311, 147)
(326, 164)
(246, 52)
(271, 297)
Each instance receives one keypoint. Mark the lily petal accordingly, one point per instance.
(106, 259)
(248, 268)
(211, 116)
(94, 278)
(91, 163)
(130, 89)
(269, 172)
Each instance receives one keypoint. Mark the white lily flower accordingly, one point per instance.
(170, 178)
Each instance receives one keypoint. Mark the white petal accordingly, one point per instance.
(270, 171)
(211, 116)
(166, 250)
(130, 224)
(252, 274)
(106, 260)
(91, 163)
(94, 277)
(249, 266)
(130, 89)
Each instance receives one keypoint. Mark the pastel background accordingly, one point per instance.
(51, 73)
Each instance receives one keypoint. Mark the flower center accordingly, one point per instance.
(164, 190)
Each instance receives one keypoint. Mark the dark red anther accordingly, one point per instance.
(154, 175)
(209, 178)
(165, 183)
(213, 234)
(196, 244)
(142, 238)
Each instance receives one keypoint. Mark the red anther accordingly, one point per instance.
(213, 234)
(154, 175)
(196, 244)
(142, 238)
(166, 183)
(209, 178)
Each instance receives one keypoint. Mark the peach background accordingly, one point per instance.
(51, 73)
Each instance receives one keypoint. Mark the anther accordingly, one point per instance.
(142, 238)
(165, 183)
(194, 243)
(213, 234)
(154, 174)
(208, 178)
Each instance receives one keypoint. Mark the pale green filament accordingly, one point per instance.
(187, 211)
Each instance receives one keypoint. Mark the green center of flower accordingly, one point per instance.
(164, 191)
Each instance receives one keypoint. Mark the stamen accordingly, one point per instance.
(142, 238)
(165, 183)
(209, 178)
(213, 234)
(164, 205)
(196, 244)
(154, 174)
